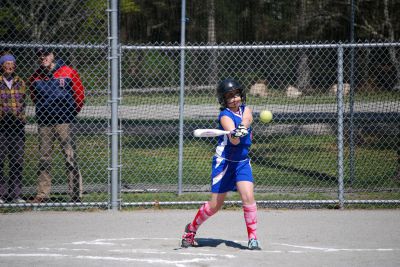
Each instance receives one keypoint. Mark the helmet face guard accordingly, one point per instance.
(226, 86)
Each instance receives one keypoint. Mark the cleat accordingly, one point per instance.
(253, 244)
(188, 238)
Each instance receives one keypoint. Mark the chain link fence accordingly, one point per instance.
(334, 138)
(295, 157)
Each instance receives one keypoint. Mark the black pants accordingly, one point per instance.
(12, 147)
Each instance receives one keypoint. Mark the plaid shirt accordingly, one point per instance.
(12, 101)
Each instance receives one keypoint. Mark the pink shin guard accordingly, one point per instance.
(202, 215)
(250, 217)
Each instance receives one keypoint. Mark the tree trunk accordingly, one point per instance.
(392, 50)
(303, 72)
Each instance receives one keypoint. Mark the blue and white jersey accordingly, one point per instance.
(225, 149)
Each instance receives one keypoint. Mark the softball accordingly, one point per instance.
(266, 116)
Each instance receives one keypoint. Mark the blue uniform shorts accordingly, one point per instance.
(225, 174)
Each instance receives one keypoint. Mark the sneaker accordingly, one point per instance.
(253, 244)
(19, 201)
(188, 238)
(1, 201)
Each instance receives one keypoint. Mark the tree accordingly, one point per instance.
(378, 19)
(392, 50)
(53, 21)
(304, 72)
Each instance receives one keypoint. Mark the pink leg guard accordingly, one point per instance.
(250, 217)
(202, 215)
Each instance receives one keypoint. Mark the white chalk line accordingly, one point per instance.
(65, 249)
(192, 257)
(120, 259)
(155, 251)
(108, 242)
(325, 249)
(153, 261)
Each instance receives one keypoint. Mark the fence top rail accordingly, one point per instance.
(37, 45)
(203, 47)
(252, 47)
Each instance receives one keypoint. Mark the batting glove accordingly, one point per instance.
(240, 131)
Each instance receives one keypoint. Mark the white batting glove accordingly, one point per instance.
(240, 131)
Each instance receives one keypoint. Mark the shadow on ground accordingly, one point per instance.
(212, 242)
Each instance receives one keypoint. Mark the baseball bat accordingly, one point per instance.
(209, 132)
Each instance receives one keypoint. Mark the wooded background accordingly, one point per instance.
(208, 21)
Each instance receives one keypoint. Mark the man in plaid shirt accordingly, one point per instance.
(12, 132)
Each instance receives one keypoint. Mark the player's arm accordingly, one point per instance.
(228, 125)
(247, 118)
(243, 128)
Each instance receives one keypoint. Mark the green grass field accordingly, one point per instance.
(207, 97)
(284, 166)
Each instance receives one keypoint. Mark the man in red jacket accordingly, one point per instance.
(58, 94)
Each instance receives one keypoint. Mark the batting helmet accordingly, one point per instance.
(227, 86)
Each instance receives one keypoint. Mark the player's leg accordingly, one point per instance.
(249, 207)
(250, 212)
(222, 181)
(246, 192)
(245, 186)
(206, 210)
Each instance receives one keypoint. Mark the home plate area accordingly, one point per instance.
(136, 251)
(156, 252)
(152, 250)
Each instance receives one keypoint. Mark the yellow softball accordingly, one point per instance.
(266, 116)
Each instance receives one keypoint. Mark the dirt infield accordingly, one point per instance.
(151, 238)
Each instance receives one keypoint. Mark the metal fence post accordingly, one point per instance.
(114, 60)
(340, 111)
(352, 93)
(181, 96)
